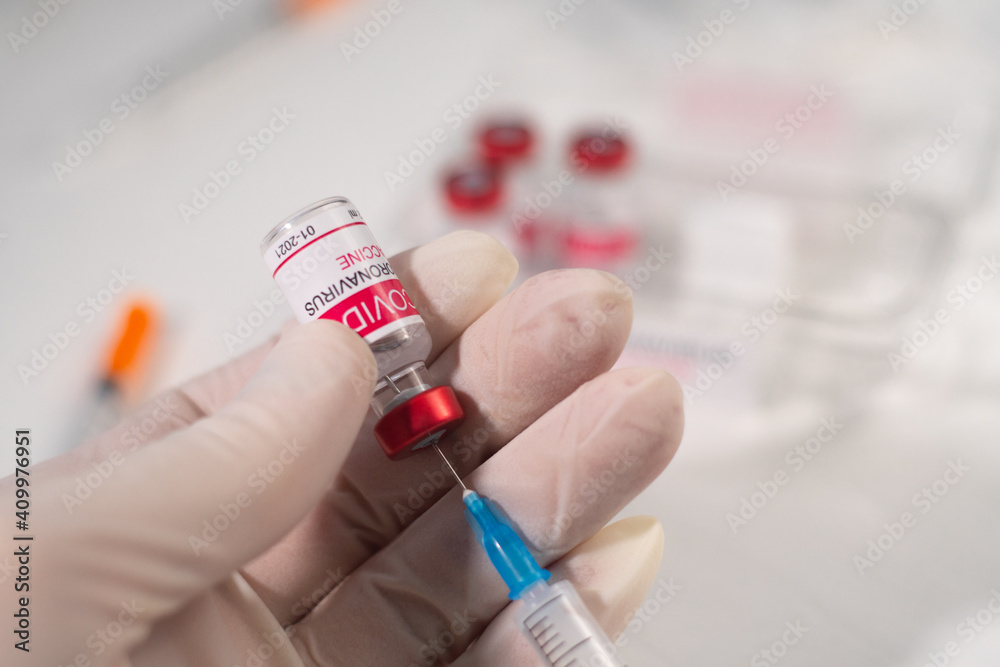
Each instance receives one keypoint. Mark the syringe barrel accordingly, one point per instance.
(560, 626)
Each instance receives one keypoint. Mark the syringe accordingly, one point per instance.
(553, 617)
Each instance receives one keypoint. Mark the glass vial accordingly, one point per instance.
(329, 266)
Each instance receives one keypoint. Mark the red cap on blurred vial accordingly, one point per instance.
(505, 141)
(418, 422)
(599, 151)
(474, 188)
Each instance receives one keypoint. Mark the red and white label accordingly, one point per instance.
(329, 266)
(372, 308)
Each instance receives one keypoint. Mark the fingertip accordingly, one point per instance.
(483, 250)
(616, 285)
(599, 285)
(582, 317)
(441, 270)
(454, 280)
(642, 531)
(666, 399)
(318, 356)
(614, 569)
(331, 339)
(656, 404)
(472, 272)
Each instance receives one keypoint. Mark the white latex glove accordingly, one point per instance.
(249, 518)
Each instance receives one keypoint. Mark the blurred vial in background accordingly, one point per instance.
(474, 197)
(602, 227)
(510, 145)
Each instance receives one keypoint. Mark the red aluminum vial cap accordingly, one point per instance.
(415, 420)
(473, 189)
(593, 150)
(506, 141)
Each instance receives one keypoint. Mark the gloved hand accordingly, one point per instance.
(249, 518)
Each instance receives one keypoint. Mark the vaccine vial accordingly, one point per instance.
(603, 230)
(509, 144)
(474, 197)
(329, 266)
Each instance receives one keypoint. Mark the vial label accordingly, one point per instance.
(329, 266)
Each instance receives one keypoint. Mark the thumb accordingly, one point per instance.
(179, 515)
